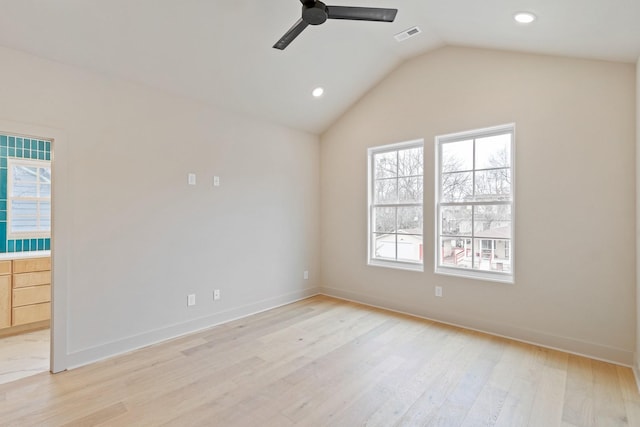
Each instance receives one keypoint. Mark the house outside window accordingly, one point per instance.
(396, 205)
(475, 203)
(29, 198)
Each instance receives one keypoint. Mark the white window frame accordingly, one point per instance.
(371, 260)
(494, 276)
(10, 198)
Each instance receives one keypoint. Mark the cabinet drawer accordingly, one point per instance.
(5, 305)
(31, 313)
(31, 279)
(31, 264)
(5, 280)
(31, 295)
(5, 267)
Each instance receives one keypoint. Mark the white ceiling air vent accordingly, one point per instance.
(407, 34)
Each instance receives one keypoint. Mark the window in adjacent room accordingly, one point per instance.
(396, 205)
(474, 203)
(29, 198)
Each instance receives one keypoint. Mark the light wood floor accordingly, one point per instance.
(323, 361)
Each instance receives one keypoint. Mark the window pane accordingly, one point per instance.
(24, 208)
(45, 190)
(384, 246)
(386, 191)
(24, 181)
(455, 252)
(495, 183)
(457, 156)
(45, 224)
(45, 216)
(45, 175)
(493, 221)
(456, 187)
(410, 189)
(25, 173)
(24, 224)
(410, 162)
(410, 220)
(29, 198)
(492, 255)
(456, 220)
(384, 220)
(493, 151)
(24, 189)
(409, 247)
(385, 165)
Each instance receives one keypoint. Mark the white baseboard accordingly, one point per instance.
(104, 351)
(542, 339)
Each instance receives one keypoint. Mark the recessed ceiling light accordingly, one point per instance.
(524, 17)
(317, 92)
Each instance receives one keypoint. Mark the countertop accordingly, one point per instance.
(22, 255)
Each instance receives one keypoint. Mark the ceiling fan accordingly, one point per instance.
(314, 12)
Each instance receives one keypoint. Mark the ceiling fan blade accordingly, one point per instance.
(290, 35)
(361, 13)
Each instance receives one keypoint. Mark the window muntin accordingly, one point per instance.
(29, 198)
(396, 176)
(474, 203)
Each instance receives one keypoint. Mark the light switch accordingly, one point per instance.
(216, 181)
(192, 179)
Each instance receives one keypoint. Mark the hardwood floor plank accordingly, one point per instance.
(445, 381)
(578, 401)
(356, 357)
(324, 361)
(486, 408)
(527, 375)
(457, 405)
(145, 405)
(100, 416)
(609, 407)
(548, 401)
(421, 345)
(628, 384)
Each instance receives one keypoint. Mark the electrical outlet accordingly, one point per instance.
(438, 291)
(191, 300)
(216, 181)
(306, 275)
(216, 294)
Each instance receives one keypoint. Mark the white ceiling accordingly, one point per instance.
(220, 51)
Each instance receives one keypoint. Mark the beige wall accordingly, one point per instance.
(575, 202)
(137, 238)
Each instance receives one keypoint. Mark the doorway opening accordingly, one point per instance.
(25, 255)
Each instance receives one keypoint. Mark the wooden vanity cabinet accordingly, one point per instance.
(25, 292)
(31, 299)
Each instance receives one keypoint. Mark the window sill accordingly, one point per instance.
(398, 265)
(476, 275)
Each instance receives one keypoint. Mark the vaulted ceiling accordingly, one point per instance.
(220, 51)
